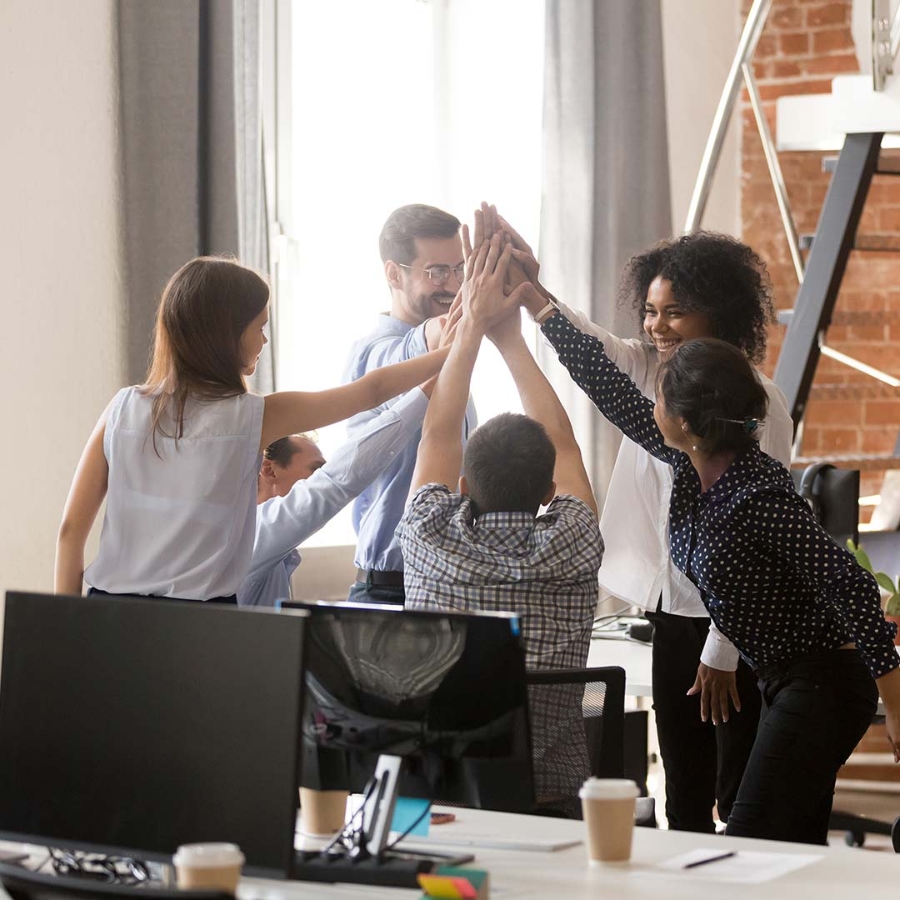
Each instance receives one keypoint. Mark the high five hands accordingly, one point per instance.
(485, 303)
(523, 267)
(497, 275)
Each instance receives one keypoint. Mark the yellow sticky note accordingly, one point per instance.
(440, 887)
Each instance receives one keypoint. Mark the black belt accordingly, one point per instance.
(230, 600)
(379, 579)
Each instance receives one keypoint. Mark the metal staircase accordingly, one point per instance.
(874, 102)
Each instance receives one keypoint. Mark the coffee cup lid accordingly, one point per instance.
(608, 789)
(208, 855)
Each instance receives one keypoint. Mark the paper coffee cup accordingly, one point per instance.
(608, 807)
(322, 813)
(208, 866)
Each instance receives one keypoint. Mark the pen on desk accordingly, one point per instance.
(709, 859)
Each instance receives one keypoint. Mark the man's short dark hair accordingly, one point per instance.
(283, 450)
(404, 225)
(509, 465)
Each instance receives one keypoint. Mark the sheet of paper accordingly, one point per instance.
(745, 867)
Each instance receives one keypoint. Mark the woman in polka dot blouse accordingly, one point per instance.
(701, 284)
(799, 609)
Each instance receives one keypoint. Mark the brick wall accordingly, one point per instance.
(805, 43)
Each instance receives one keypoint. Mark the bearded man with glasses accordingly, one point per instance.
(423, 265)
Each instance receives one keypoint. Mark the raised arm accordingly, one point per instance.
(633, 357)
(440, 450)
(290, 412)
(610, 390)
(541, 403)
(284, 522)
(439, 458)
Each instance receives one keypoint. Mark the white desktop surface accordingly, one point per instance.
(633, 656)
(564, 874)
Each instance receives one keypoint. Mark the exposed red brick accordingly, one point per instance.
(832, 39)
(879, 440)
(806, 86)
(784, 17)
(841, 440)
(792, 43)
(834, 413)
(828, 14)
(888, 217)
(782, 68)
(832, 65)
(768, 46)
(885, 190)
(882, 412)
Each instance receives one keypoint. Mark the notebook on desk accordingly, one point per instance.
(470, 830)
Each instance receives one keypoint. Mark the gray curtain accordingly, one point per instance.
(253, 217)
(188, 129)
(605, 176)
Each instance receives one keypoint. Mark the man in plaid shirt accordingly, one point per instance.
(485, 547)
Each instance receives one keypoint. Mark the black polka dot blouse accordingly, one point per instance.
(773, 581)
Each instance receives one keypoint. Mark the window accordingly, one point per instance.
(380, 104)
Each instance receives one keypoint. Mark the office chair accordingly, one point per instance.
(833, 497)
(23, 884)
(603, 710)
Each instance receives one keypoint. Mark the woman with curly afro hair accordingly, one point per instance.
(700, 285)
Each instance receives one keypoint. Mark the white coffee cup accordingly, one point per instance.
(208, 866)
(608, 807)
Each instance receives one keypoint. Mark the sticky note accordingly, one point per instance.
(406, 811)
(440, 887)
(451, 883)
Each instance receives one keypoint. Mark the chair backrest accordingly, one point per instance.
(603, 708)
(833, 496)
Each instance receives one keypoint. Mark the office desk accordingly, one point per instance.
(565, 875)
(633, 656)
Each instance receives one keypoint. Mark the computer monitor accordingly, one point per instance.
(133, 726)
(444, 691)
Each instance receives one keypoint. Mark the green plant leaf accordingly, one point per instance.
(863, 559)
(886, 582)
(893, 605)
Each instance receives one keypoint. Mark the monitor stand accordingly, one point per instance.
(359, 855)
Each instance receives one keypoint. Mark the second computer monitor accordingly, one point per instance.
(445, 691)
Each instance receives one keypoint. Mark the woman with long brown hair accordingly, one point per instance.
(176, 458)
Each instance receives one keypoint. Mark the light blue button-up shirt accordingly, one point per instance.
(284, 522)
(378, 509)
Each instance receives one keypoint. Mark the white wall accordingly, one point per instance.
(699, 41)
(59, 364)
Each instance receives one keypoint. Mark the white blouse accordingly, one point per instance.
(181, 523)
(634, 524)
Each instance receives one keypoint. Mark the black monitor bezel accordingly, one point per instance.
(284, 870)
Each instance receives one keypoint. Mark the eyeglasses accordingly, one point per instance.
(439, 274)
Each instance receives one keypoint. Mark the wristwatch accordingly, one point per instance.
(546, 311)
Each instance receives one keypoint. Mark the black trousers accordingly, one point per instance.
(815, 711)
(703, 763)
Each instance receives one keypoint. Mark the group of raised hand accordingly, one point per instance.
(501, 275)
